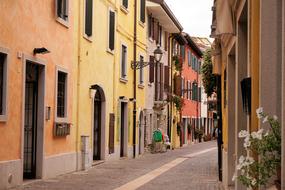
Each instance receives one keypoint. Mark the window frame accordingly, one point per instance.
(126, 62)
(142, 20)
(64, 22)
(61, 119)
(89, 38)
(141, 73)
(4, 114)
(123, 6)
(108, 44)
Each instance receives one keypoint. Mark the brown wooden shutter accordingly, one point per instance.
(166, 78)
(156, 32)
(151, 69)
(161, 81)
(112, 30)
(88, 17)
(156, 90)
(112, 133)
(177, 85)
(165, 41)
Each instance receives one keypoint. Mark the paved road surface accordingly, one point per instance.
(193, 168)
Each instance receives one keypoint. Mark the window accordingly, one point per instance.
(88, 17)
(194, 91)
(61, 94)
(189, 58)
(111, 30)
(125, 3)
(142, 15)
(62, 9)
(3, 58)
(124, 62)
(141, 70)
(199, 94)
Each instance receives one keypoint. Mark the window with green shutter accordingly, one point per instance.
(111, 30)
(62, 9)
(125, 3)
(88, 17)
(142, 11)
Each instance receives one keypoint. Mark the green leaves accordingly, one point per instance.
(208, 78)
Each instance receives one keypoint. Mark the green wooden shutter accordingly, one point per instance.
(88, 17)
(111, 133)
(111, 30)
(142, 11)
(151, 69)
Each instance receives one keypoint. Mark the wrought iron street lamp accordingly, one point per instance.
(157, 56)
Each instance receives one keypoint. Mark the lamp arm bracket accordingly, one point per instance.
(138, 64)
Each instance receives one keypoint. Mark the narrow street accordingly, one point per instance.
(192, 167)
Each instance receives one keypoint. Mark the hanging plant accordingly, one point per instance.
(177, 63)
(178, 102)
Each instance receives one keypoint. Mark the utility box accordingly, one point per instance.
(85, 152)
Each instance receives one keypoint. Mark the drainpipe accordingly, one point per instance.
(135, 80)
(171, 85)
(78, 85)
(168, 109)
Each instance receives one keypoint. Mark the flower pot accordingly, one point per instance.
(278, 181)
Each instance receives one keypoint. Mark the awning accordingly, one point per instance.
(223, 18)
(217, 57)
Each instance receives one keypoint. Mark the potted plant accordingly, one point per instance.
(177, 63)
(263, 159)
(198, 134)
(178, 102)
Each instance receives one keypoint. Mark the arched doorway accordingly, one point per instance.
(97, 127)
(98, 123)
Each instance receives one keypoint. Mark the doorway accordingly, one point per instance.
(124, 140)
(97, 127)
(33, 120)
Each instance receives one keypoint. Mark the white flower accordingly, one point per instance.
(242, 172)
(253, 182)
(260, 131)
(234, 177)
(266, 134)
(241, 159)
(243, 134)
(254, 135)
(265, 119)
(259, 112)
(239, 166)
(246, 144)
(275, 117)
(249, 160)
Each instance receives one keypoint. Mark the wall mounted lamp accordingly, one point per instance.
(41, 50)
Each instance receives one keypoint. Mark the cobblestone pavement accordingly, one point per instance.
(194, 173)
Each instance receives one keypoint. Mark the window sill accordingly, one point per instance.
(63, 22)
(142, 24)
(141, 86)
(61, 120)
(110, 51)
(89, 39)
(124, 9)
(123, 80)
(3, 118)
(150, 40)
(149, 84)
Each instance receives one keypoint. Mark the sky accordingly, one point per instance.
(194, 15)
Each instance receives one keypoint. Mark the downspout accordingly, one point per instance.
(171, 86)
(78, 84)
(169, 90)
(135, 79)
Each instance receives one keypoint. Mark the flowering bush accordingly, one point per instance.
(265, 147)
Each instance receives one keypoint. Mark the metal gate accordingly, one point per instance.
(30, 127)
